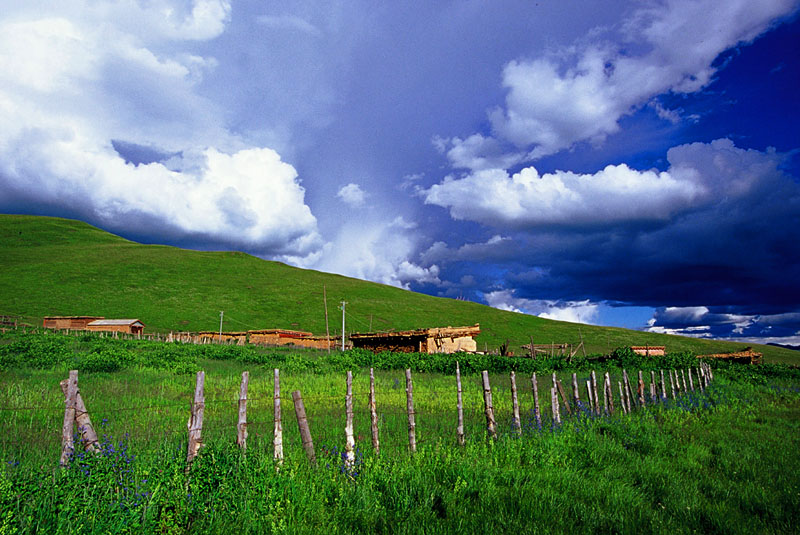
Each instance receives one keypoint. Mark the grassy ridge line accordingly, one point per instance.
(60, 266)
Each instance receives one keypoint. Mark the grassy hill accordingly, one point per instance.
(52, 266)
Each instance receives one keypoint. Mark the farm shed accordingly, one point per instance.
(650, 351)
(77, 323)
(283, 337)
(432, 340)
(746, 356)
(131, 326)
(213, 337)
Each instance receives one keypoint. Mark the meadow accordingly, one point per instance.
(722, 461)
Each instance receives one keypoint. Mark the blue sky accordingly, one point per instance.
(618, 163)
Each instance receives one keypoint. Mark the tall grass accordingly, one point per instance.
(722, 461)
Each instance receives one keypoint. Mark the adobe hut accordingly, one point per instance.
(650, 351)
(746, 356)
(214, 337)
(432, 340)
(130, 326)
(75, 323)
(283, 337)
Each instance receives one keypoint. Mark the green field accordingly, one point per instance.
(722, 461)
(54, 266)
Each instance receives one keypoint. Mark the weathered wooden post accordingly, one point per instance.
(589, 395)
(349, 439)
(640, 389)
(560, 391)
(85, 428)
(515, 420)
(594, 393)
(537, 414)
(302, 424)
(491, 426)
(277, 437)
(576, 395)
(653, 387)
(241, 426)
(195, 424)
(691, 382)
(663, 386)
(628, 391)
(412, 426)
(671, 384)
(622, 398)
(67, 441)
(610, 394)
(554, 405)
(373, 413)
(683, 380)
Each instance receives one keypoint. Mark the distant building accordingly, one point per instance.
(131, 326)
(283, 337)
(745, 356)
(650, 351)
(432, 340)
(214, 337)
(77, 323)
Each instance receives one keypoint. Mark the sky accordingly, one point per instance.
(634, 164)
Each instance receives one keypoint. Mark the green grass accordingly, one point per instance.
(720, 462)
(54, 266)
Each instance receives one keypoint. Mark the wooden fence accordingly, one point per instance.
(631, 397)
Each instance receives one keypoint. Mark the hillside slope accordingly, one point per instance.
(52, 266)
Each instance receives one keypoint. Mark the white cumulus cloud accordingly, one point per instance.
(572, 311)
(700, 174)
(580, 93)
(75, 80)
(352, 194)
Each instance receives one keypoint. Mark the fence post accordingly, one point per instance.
(671, 383)
(373, 413)
(515, 421)
(460, 407)
(302, 424)
(609, 394)
(67, 441)
(241, 426)
(640, 389)
(412, 426)
(594, 393)
(537, 414)
(560, 390)
(691, 382)
(626, 382)
(663, 386)
(589, 395)
(576, 395)
(349, 440)
(554, 405)
(683, 380)
(488, 408)
(622, 398)
(653, 386)
(85, 428)
(277, 437)
(196, 419)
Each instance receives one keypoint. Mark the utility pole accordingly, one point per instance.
(220, 325)
(343, 313)
(327, 330)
